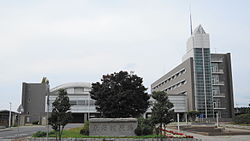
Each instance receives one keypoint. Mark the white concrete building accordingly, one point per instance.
(82, 106)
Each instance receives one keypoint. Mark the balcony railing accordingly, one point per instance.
(219, 108)
(218, 83)
(218, 95)
(220, 71)
(217, 60)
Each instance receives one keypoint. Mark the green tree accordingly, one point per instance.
(162, 111)
(61, 114)
(45, 80)
(193, 114)
(120, 95)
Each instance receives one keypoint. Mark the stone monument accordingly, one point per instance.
(113, 127)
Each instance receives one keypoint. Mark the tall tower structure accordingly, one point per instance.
(205, 79)
(198, 47)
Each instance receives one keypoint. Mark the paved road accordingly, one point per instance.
(25, 131)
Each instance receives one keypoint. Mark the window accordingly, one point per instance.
(81, 102)
(72, 102)
(70, 90)
(215, 67)
(215, 79)
(78, 90)
(217, 103)
(216, 90)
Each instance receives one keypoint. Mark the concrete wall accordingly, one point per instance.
(33, 101)
(227, 101)
(172, 78)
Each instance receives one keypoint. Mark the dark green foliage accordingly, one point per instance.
(60, 115)
(45, 80)
(39, 134)
(120, 95)
(147, 130)
(242, 110)
(138, 131)
(242, 119)
(35, 122)
(193, 114)
(162, 112)
(85, 129)
(144, 127)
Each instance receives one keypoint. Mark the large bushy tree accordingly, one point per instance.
(61, 114)
(162, 111)
(120, 95)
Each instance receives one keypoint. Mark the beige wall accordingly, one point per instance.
(186, 88)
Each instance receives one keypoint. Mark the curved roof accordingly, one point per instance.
(72, 85)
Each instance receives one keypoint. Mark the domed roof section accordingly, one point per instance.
(199, 30)
(72, 85)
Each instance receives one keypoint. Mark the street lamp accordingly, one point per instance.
(88, 107)
(20, 110)
(47, 116)
(10, 116)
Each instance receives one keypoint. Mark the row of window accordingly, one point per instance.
(176, 85)
(179, 73)
(78, 102)
(77, 90)
(82, 102)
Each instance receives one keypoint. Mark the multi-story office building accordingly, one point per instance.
(205, 78)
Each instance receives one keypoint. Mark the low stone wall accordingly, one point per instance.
(114, 127)
(115, 139)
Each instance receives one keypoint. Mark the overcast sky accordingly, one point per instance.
(80, 40)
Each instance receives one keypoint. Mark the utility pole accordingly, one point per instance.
(178, 121)
(88, 107)
(47, 118)
(10, 116)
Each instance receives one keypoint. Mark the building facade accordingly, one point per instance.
(4, 118)
(201, 77)
(222, 87)
(82, 106)
(33, 101)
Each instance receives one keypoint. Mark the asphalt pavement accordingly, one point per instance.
(25, 131)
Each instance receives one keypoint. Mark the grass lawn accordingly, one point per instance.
(72, 133)
(75, 133)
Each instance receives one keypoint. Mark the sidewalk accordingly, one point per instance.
(218, 138)
(234, 126)
(5, 129)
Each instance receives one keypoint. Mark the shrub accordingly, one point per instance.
(242, 119)
(138, 131)
(144, 127)
(147, 130)
(53, 132)
(85, 129)
(39, 134)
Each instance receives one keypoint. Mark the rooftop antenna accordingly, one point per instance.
(190, 18)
